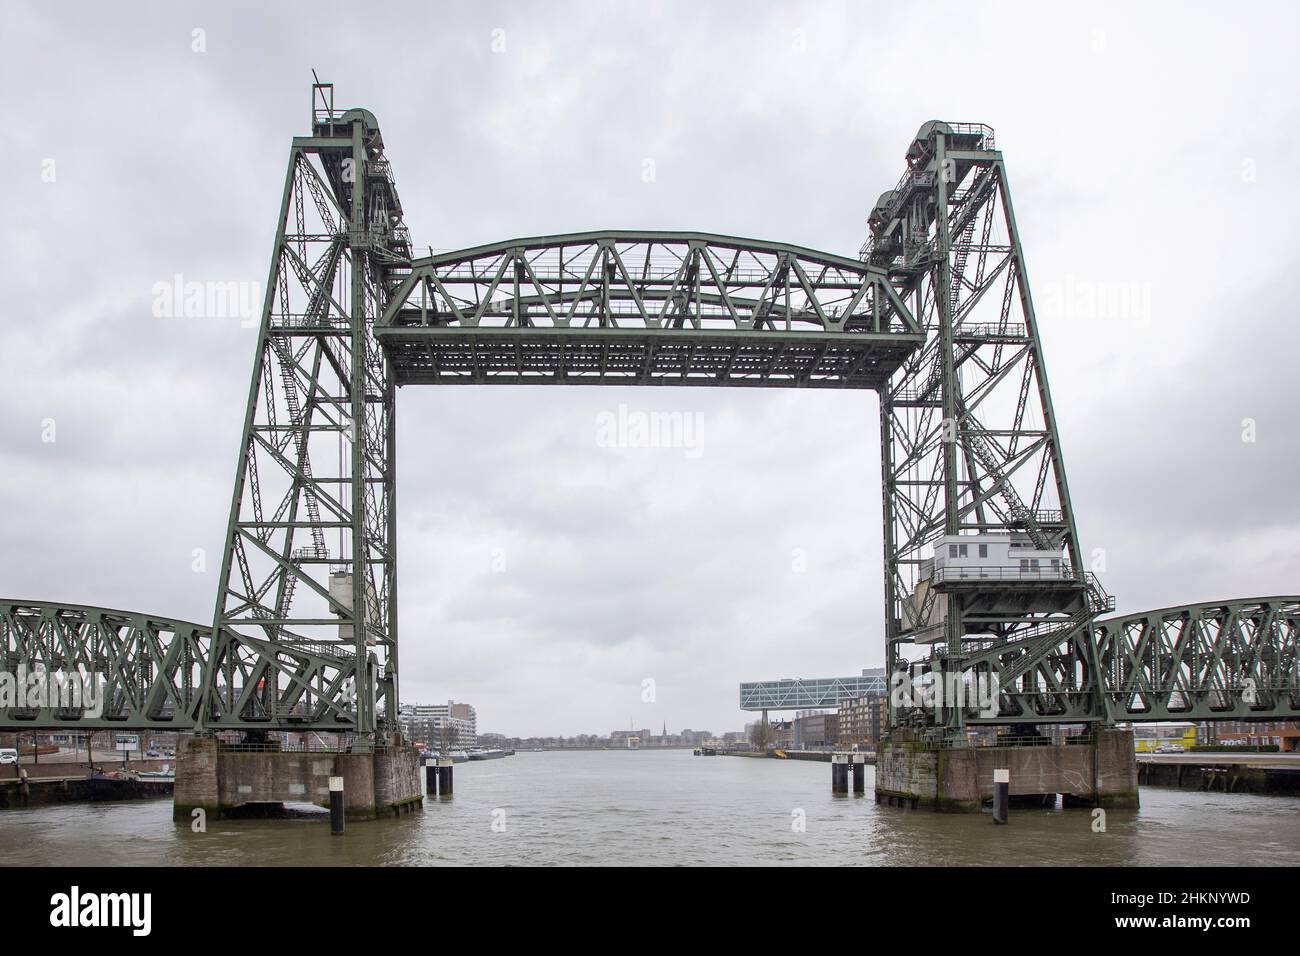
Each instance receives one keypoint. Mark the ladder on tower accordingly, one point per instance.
(297, 422)
(1017, 510)
(961, 253)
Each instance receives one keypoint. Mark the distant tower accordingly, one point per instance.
(665, 728)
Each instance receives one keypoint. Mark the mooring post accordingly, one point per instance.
(839, 773)
(444, 776)
(336, 806)
(431, 776)
(859, 773)
(1001, 794)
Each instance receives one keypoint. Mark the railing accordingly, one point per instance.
(910, 396)
(322, 105)
(1004, 740)
(990, 330)
(298, 748)
(264, 748)
(985, 133)
(1049, 516)
(1098, 599)
(337, 650)
(949, 573)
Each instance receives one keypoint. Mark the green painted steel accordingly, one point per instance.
(146, 672)
(642, 308)
(936, 315)
(1223, 660)
(310, 558)
(969, 446)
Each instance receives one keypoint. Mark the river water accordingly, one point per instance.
(668, 808)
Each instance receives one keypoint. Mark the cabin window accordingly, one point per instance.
(984, 550)
(961, 550)
(952, 551)
(1024, 565)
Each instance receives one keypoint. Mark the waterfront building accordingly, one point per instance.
(815, 729)
(1250, 733)
(440, 725)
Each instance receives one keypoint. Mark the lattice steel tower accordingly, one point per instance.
(982, 556)
(310, 560)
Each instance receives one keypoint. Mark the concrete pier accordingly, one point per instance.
(1098, 772)
(222, 778)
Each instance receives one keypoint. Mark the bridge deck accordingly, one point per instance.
(645, 308)
(581, 356)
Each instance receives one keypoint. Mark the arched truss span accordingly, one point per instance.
(1217, 660)
(1212, 661)
(139, 671)
(1222, 660)
(643, 308)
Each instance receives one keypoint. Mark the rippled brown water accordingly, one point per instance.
(669, 808)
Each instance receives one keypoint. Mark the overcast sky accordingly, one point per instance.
(1152, 151)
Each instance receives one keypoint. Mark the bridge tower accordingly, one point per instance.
(310, 555)
(983, 565)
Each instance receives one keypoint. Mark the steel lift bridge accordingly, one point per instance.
(984, 572)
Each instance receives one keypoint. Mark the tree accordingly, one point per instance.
(761, 735)
(447, 735)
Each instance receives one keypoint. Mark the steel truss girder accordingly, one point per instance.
(645, 308)
(149, 671)
(1228, 660)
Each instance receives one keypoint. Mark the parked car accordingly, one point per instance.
(8, 755)
(152, 753)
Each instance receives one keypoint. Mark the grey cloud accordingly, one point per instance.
(1126, 140)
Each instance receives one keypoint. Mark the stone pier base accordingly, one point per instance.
(1099, 773)
(222, 780)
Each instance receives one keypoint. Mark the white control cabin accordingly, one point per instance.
(993, 557)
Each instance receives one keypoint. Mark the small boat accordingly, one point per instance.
(155, 775)
(492, 753)
(459, 756)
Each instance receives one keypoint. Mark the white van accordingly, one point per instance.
(8, 755)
